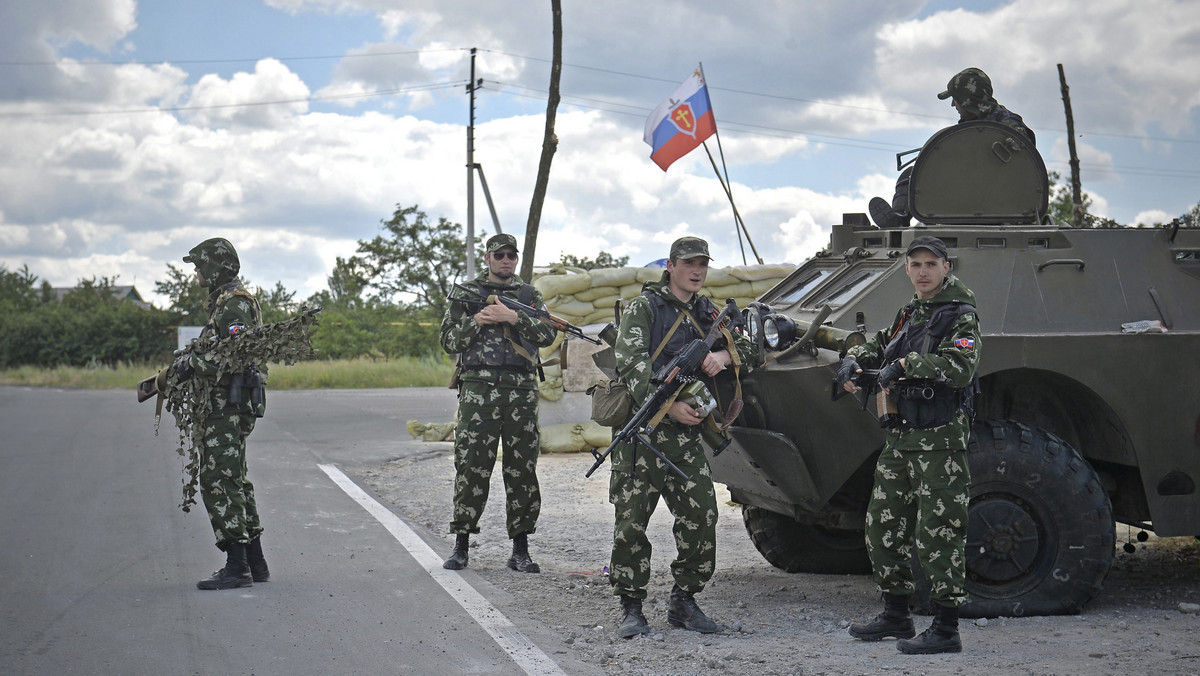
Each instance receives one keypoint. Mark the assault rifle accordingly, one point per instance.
(558, 323)
(682, 369)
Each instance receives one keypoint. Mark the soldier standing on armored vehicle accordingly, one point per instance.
(226, 489)
(928, 356)
(653, 331)
(497, 402)
(970, 92)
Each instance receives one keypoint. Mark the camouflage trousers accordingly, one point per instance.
(489, 415)
(921, 498)
(634, 489)
(226, 490)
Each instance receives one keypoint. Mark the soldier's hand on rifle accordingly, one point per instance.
(183, 367)
(891, 373)
(715, 362)
(496, 314)
(846, 373)
(684, 414)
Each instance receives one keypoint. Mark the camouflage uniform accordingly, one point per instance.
(226, 489)
(922, 481)
(496, 404)
(635, 487)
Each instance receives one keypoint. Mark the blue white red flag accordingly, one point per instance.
(680, 123)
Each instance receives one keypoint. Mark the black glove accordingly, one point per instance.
(891, 373)
(847, 371)
(183, 368)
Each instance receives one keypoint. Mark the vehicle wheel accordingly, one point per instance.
(798, 547)
(1040, 529)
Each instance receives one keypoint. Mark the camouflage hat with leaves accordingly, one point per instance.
(971, 89)
(216, 259)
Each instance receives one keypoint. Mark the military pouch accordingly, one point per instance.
(456, 377)
(924, 405)
(612, 405)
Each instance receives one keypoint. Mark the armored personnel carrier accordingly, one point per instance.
(1090, 366)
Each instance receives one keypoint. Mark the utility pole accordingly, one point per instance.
(1076, 185)
(472, 85)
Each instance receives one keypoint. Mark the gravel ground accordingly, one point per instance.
(1143, 622)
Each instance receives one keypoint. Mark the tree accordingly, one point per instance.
(185, 296)
(16, 288)
(417, 263)
(277, 304)
(1062, 206)
(603, 260)
(549, 145)
(347, 282)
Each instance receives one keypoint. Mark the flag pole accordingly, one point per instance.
(737, 217)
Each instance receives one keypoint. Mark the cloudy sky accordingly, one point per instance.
(133, 130)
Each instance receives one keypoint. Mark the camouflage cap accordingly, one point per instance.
(689, 247)
(497, 242)
(216, 259)
(972, 91)
(935, 245)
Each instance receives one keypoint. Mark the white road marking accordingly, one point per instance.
(523, 651)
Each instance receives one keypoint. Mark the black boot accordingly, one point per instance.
(682, 611)
(940, 637)
(236, 572)
(633, 622)
(520, 561)
(887, 216)
(458, 557)
(258, 564)
(894, 622)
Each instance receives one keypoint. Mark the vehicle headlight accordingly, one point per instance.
(778, 331)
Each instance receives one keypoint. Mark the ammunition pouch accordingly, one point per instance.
(612, 404)
(922, 404)
(251, 386)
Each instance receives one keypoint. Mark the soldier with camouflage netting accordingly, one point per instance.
(970, 92)
(497, 401)
(224, 486)
(928, 359)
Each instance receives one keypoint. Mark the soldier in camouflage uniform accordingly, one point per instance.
(226, 489)
(497, 402)
(922, 482)
(970, 92)
(636, 485)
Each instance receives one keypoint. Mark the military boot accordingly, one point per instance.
(458, 558)
(894, 622)
(256, 561)
(633, 622)
(236, 572)
(940, 637)
(520, 561)
(682, 611)
(886, 216)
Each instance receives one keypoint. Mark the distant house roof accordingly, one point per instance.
(129, 293)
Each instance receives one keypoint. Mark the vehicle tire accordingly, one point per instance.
(797, 547)
(1040, 532)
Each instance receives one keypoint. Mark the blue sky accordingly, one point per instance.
(134, 130)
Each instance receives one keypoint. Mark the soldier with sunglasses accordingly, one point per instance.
(497, 402)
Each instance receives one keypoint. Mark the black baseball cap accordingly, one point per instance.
(937, 246)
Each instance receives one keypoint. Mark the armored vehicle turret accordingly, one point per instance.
(1089, 412)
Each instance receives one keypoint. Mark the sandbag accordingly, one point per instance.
(562, 285)
(590, 295)
(613, 276)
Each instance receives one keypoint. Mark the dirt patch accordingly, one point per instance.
(1142, 622)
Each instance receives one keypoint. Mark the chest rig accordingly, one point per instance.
(923, 403)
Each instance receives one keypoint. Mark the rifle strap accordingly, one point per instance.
(662, 412)
(670, 332)
(735, 406)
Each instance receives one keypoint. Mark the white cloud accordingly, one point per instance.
(268, 97)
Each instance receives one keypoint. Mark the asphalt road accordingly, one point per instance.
(98, 564)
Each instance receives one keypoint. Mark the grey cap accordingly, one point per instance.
(497, 242)
(689, 247)
(935, 245)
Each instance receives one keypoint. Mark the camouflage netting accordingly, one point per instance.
(190, 401)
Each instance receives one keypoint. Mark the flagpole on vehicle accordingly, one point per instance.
(738, 224)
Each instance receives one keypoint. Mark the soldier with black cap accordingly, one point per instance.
(655, 326)
(928, 359)
(226, 489)
(970, 93)
(497, 402)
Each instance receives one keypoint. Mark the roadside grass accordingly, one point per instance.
(308, 375)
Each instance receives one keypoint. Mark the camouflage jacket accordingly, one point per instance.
(956, 357)
(634, 348)
(460, 333)
(1008, 118)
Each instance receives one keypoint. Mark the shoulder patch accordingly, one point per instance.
(236, 328)
(965, 343)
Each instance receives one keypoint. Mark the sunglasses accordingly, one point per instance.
(501, 255)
